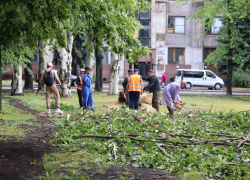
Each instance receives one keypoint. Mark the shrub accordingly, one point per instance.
(241, 78)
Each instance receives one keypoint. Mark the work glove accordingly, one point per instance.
(62, 87)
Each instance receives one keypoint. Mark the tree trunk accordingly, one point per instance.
(230, 66)
(114, 74)
(42, 63)
(1, 78)
(28, 82)
(65, 66)
(99, 75)
(230, 75)
(90, 61)
(17, 84)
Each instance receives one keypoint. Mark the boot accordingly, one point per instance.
(171, 112)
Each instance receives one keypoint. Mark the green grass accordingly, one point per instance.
(193, 102)
(12, 118)
(218, 102)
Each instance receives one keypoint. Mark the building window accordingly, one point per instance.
(207, 51)
(176, 56)
(215, 28)
(176, 25)
(104, 56)
(144, 33)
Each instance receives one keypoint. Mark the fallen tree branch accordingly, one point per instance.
(137, 118)
(159, 146)
(242, 142)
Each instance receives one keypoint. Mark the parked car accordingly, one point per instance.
(73, 78)
(199, 78)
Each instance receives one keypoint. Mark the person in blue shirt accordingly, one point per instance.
(86, 89)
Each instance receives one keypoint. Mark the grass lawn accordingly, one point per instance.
(193, 102)
(218, 102)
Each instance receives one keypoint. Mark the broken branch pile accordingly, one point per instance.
(206, 144)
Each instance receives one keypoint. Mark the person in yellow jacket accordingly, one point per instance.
(79, 87)
(134, 88)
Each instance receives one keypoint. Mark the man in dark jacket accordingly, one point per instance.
(79, 87)
(153, 86)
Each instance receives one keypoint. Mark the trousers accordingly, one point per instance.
(52, 89)
(87, 98)
(134, 97)
(79, 93)
(156, 100)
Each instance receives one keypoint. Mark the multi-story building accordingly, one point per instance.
(174, 40)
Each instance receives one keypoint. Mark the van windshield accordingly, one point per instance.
(210, 74)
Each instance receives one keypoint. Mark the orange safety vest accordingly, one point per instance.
(135, 83)
(79, 86)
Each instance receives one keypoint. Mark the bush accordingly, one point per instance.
(241, 78)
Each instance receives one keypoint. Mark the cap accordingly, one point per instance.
(184, 82)
(136, 70)
(131, 71)
(151, 71)
(82, 70)
(49, 64)
(87, 68)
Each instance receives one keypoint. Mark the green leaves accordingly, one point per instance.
(206, 144)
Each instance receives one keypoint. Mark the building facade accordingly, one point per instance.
(175, 42)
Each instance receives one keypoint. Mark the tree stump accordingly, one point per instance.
(146, 98)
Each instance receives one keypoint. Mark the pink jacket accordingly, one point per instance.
(164, 78)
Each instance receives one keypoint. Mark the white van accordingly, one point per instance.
(199, 78)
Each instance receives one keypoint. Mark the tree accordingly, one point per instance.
(65, 66)
(28, 79)
(30, 19)
(112, 22)
(231, 10)
(99, 75)
(114, 74)
(243, 26)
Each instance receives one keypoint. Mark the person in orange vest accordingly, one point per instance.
(134, 88)
(79, 87)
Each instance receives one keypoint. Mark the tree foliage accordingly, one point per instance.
(206, 144)
(113, 22)
(232, 11)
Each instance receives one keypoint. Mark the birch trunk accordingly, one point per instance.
(16, 83)
(42, 63)
(20, 81)
(114, 74)
(65, 66)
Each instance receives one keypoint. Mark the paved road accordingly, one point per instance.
(193, 90)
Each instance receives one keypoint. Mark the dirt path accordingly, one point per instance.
(22, 159)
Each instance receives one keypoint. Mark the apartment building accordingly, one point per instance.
(174, 41)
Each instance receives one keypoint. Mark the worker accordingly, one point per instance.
(124, 84)
(170, 95)
(79, 87)
(49, 77)
(86, 90)
(134, 88)
(153, 86)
